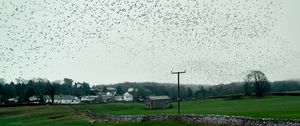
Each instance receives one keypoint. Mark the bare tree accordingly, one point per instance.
(259, 81)
(51, 90)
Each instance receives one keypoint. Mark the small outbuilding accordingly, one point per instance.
(157, 102)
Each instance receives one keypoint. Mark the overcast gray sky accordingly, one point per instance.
(102, 42)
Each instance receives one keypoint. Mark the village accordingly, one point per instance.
(110, 96)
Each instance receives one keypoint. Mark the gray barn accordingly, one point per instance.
(157, 102)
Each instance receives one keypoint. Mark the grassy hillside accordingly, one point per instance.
(59, 116)
(282, 107)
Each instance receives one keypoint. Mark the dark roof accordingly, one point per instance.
(65, 97)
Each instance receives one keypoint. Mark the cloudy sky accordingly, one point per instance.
(102, 42)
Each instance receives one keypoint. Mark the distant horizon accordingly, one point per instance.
(95, 84)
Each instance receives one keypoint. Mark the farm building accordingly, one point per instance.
(35, 99)
(63, 99)
(157, 102)
(127, 97)
(107, 98)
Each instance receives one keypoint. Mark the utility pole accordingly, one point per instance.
(178, 90)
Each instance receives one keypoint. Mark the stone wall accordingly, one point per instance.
(200, 119)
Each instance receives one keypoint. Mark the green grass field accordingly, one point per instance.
(60, 115)
(281, 107)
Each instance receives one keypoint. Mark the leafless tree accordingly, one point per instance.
(259, 81)
(51, 90)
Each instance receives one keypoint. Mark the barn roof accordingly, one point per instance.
(159, 97)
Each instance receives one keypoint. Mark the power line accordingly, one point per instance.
(178, 90)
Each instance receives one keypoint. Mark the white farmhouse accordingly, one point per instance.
(127, 97)
(109, 94)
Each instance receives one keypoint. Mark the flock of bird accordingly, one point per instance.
(209, 38)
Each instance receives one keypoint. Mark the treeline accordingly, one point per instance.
(195, 91)
(285, 86)
(145, 89)
(23, 89)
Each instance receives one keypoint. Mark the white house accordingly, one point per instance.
(109, 94)
(127, 97)
(89, 99)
